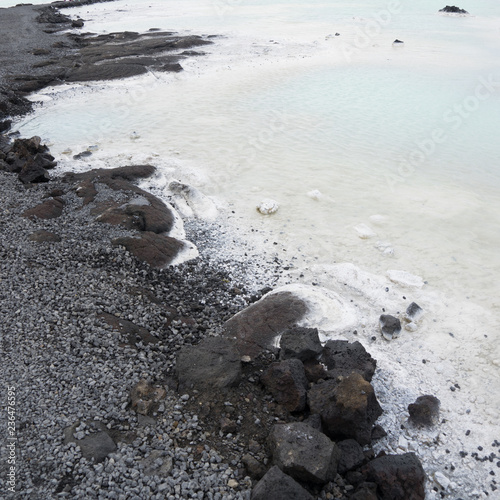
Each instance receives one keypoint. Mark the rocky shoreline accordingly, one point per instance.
(133, 378)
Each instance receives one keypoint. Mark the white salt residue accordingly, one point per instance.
(199, 205)
(327, 310)
(189, 252)
(405, 278)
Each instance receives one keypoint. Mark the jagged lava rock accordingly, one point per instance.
(348, 408)
(286, 381)
(343, 358)
(453, 10)
(300, 343)
(425, 410)
(303, 452)
(390, 326)
(214, 363)
(257, 327)
(279, 486)
(398, 477)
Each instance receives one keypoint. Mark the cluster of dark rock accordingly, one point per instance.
(136, 210)
(330, 406)
(80, 57)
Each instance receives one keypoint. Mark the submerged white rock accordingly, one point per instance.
(268, 207)
(315, 194)
(405, 278)
(364, 231)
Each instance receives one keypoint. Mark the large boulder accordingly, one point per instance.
(257, 327)
(140, 217)
(300, 343)
(287, 382)
(214, 363)
(343, 358)
(278, 486)
(398, 477)
(348, 408)
(304, 453)
(156, 250)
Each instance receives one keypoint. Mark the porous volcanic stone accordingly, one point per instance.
(348, 408)
(398, 477)
(300, 343)
(425, 410)
(287, 382)
(257, 327)
(279, 486)
(213, 363)
(351, 455)
(343, 358)
(303, 452)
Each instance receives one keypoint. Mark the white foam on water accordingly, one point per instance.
(399, 140)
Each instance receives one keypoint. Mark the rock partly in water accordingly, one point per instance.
(156, 250)
(348, 408)
(389, 326)
(343, 358)
(425, 410)
(279, 486)
(451, 9)
(398, 477)
(287, 382)
(300, 343)
(214, 363)
(268, 207)
(304, 453)
(258, 327)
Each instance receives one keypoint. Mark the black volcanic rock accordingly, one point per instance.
(451, 9)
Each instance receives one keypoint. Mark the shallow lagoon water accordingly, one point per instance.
(384, 156)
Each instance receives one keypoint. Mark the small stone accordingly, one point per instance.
(268, 207)
(425, 410)
(390, 326)
(232, 483)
